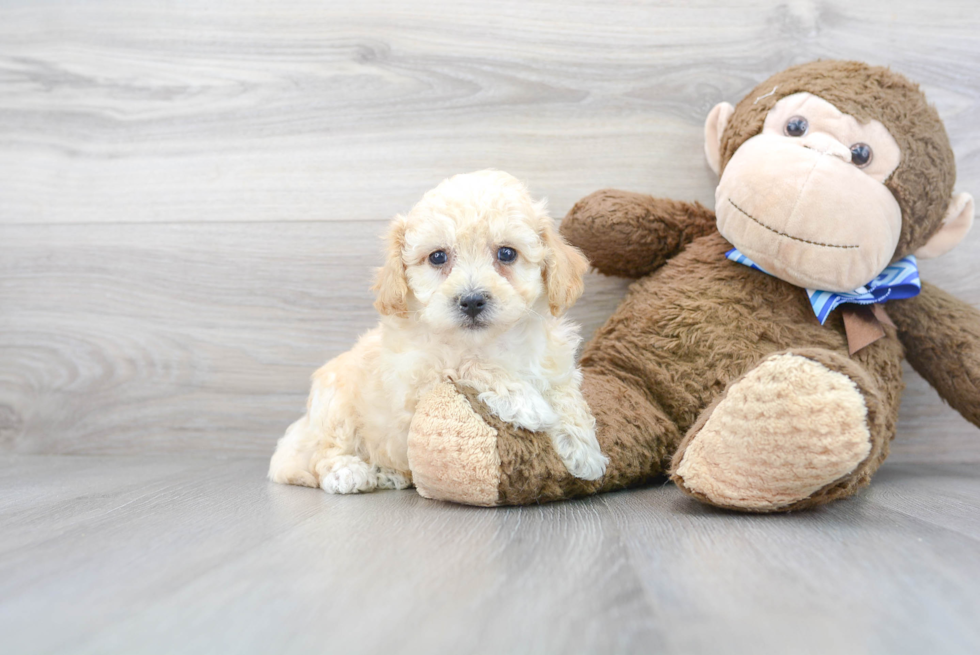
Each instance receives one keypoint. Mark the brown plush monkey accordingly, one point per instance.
(716, 366)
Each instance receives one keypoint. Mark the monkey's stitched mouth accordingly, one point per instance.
(788, 236)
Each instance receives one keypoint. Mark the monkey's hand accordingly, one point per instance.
(631, 234)
(941, 335)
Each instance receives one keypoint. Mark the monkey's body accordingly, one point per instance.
(700, 323)
(720, 374)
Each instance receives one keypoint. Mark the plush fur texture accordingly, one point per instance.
(940, 335)
(800, 209)
(710, 358)
(454, 453)
(644, 226)
(922, 184)
(775, 452)
(517, 352)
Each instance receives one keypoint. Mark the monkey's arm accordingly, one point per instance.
(941, 335)
(631, 234)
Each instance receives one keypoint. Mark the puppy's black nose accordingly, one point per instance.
(472, 304)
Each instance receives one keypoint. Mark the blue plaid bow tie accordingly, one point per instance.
(900, 280)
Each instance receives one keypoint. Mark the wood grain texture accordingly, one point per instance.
(228, 110)
(191, 555)
(192, 192)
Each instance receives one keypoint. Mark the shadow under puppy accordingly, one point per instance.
(474, 290)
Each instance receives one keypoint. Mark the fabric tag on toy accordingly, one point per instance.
(898, 281)
(861, 326)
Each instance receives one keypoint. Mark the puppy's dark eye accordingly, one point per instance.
(861, 154)
(796, 126)
(438, 258)
(506, 255)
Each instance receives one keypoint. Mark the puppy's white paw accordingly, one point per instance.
(391, 479)
(527, 410)
(349, 475)
(584, 460)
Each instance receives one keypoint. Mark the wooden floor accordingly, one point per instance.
(199, 555)
(191, 195)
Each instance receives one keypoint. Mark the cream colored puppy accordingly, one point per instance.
(475, 285)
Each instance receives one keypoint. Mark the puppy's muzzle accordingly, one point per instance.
(473, 304)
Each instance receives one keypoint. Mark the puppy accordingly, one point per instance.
(474, 288)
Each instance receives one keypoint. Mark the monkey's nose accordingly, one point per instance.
(827, 145)
(472, 304)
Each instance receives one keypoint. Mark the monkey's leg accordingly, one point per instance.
(460, 452)
(802, 428)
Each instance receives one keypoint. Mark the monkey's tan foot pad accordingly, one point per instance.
(452, 451)
(460, 452)
(786, 430)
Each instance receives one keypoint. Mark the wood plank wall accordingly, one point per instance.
(191, 193)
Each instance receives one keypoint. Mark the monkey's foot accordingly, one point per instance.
(452, 452)
(783, 436)
(460, 452)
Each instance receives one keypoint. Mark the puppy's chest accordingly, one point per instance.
(410, 376)
(417, 377)
(492, 372)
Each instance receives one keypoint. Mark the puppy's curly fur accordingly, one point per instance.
(474, 288)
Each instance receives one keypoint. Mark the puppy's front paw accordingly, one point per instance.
(528, 409)
(349, 475)
(584, 460)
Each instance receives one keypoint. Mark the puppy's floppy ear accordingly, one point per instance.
(391, 284)
(564, 266)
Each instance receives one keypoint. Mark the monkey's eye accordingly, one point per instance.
(861, 154)
(438, 258)
(506, 255)
(796, 126)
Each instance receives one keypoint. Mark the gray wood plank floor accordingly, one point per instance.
(198, 555)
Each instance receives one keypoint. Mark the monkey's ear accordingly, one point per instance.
(714, 127)
(956, 223)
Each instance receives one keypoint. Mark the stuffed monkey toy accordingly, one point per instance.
(757, 356)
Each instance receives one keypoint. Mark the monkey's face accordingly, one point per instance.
(806, 200)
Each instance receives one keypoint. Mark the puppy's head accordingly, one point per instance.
(477, 254)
